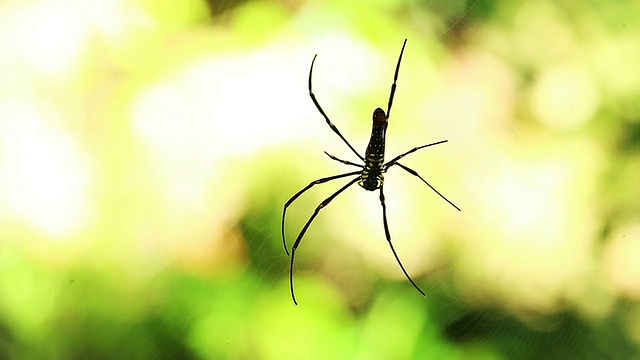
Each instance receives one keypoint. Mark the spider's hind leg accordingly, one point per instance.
(326, 118)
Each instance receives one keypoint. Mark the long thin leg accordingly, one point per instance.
(343, 161)
(304, 230)
(333, 127)
(296, 195)
(395, 159)
(414, 173)
(395, 78)
(388, 235)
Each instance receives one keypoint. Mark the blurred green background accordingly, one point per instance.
(147, 148)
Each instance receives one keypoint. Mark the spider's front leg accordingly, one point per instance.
(324, 203)
(296, 195)
(388, 235)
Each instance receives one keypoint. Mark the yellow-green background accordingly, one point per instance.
(147, 148)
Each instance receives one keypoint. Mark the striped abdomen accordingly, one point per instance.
(372, 174)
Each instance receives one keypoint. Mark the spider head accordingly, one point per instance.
(371, 182)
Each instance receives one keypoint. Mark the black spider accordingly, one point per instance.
(370, 176)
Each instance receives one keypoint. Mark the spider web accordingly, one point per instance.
(157, 235)
(479, 302)
(483, 319)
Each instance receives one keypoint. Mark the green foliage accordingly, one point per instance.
(171, 134)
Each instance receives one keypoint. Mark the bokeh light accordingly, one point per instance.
(147, 149)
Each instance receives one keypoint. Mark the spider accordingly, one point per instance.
(369, 176)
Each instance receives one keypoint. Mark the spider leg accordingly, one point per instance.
(324, 203)
(333, 127)
(343, 161)
(388, 235)
(296, 195)
(395, 78)
(414, 173)
(395, 159)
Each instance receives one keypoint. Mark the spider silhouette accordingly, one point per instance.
(370, 174)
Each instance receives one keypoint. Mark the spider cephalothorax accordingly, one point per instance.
(370, 175)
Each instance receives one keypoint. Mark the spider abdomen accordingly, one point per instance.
(372, 173)
(375, 150)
